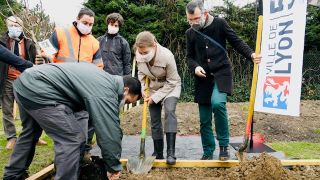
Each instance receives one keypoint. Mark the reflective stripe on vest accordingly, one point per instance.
(71, 50)
(69, 44)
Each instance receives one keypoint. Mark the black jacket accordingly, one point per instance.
(213, 59)
(8, 58)
(116, 54)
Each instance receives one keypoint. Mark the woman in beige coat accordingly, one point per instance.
(158, 64)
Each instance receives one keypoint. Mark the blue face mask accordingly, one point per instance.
(14, 32)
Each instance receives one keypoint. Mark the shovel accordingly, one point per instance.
(244, 145)
(142, 164)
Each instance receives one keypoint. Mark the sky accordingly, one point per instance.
(64, 12)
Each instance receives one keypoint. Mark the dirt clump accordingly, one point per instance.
(177, 173)
(307, 172)
(263, 167)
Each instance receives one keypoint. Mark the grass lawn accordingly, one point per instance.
(298, 150)
(43, 156)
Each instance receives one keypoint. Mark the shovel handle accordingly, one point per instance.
(254, 80)
(243, 146)
(144, 120)
(145, 109)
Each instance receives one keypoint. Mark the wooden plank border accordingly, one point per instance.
(189, 163)
(43, 173)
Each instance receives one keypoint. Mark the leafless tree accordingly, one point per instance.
(36, 24)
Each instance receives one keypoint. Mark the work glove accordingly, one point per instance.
(114, 176)
(42, 59)
(200, 72)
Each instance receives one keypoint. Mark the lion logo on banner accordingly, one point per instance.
(276, 92)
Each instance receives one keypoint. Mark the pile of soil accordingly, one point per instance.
(273, 127)
(264, 167)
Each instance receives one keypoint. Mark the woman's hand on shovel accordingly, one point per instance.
(149, 100)
(114, 176)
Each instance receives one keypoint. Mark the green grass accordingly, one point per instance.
(298, 150)
(317, 131)
(43, 156)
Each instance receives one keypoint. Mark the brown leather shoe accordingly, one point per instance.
(11, 143)
(41, 142)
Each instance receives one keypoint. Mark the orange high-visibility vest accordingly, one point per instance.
(76, 48)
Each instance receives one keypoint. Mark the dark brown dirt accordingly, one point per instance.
(273, 127)
(264, 167)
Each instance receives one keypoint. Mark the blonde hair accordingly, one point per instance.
(14, 19)
(144, 39)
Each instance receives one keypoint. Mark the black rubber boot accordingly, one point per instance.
(158, 149)
(224, 153)
(171, 147)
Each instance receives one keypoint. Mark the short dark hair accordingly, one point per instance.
(114, 17)
(192, 5)
(133, 84)
(85, 11)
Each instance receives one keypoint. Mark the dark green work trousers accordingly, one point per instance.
(218, 108)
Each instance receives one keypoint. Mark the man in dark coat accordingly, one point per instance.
(61, 99)
(115, 49)
(207, 59)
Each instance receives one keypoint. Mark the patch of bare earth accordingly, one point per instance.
(264, 167)
(273, 127)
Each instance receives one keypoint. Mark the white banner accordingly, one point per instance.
(280, 71)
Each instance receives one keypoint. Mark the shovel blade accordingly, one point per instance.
(138, 165)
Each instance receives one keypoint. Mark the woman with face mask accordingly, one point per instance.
(158, 64)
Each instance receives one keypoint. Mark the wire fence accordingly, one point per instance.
(242, 73)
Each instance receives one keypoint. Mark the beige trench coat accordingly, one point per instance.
(164, 78)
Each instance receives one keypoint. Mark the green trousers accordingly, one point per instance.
(218, 107)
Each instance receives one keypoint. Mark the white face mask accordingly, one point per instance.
(83, 28)
(112, 29)
(14, 32)
(146, 57)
